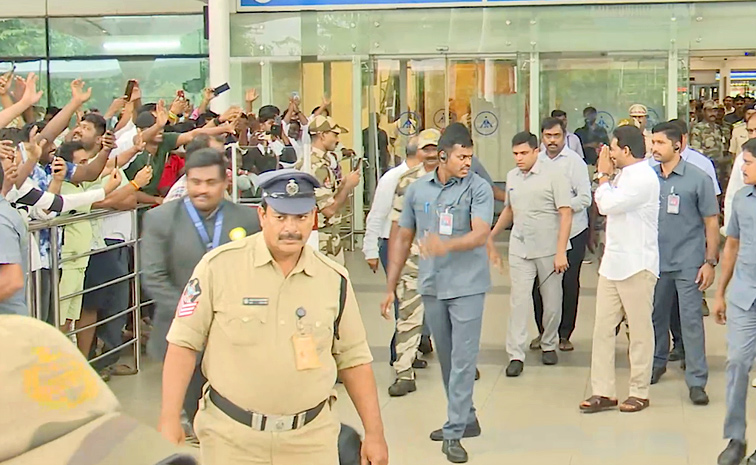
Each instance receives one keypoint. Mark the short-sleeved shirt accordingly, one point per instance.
(682, 236)
(742, 226)
(573, 167)
(456, 274)
(535, 198)
(169, 144)
(243, 311)
(14, 250)
(77, 237)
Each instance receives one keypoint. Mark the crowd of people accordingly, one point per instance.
(226, 279)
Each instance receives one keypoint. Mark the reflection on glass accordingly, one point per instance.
(22, 37)
(127, 35)
(158, 79)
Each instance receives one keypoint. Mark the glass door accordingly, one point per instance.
(610, 83)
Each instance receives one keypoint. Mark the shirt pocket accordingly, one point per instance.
(243, 325)
(461, 211)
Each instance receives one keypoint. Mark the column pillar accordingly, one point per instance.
(219, 46)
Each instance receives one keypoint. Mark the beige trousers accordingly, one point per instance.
(224, 441)
(634, 298)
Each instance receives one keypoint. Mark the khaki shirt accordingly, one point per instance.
(739, 137)
(535, 198)
(243, 312)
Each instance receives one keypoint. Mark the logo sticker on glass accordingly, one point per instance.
(486, 123)
(408, 123)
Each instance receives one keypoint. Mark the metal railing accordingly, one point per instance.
(34, 278)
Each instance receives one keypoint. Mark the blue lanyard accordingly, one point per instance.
(200, 226)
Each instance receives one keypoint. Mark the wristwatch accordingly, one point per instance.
(599, 175)
(712, 261)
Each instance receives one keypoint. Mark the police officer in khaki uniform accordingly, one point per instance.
(277, 321)
(333, 191)
(56, 409)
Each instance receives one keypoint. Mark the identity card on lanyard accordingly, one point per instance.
(673, 203)
(445, 222)
(200, 226)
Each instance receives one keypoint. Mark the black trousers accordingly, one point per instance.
(570, 288)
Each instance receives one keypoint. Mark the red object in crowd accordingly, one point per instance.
(171, 173)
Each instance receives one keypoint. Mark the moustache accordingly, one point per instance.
(290, 237)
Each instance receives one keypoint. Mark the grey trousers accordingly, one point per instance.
(523, 273)
(689, 298)
(455, 325)
(741, 350)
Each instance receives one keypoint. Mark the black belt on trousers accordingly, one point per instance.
(261, 422)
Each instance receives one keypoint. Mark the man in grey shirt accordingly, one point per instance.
(14, 256)
(451, 210)
(538, 208)
(688, 249)
(738, 311)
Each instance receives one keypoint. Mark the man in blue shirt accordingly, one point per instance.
(739, 270)
(451, 209)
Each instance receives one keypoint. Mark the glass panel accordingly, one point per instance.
(22, 37)
(287, 78)
(22, 70)
(127, 35)
(610, 84)
(483, 95)
(158, 78)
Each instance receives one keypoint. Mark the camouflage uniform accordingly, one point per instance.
(713, 141)
(409, 325)
(329, 229)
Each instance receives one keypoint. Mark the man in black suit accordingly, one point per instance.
(175, 237)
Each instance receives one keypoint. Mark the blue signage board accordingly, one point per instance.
(296, 5)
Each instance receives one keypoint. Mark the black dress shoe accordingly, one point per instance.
(657, 373)
(549, 357)
(733, 453)
(698, 396)
(454, 451)
(471, 431)
(515, 368)
(676, 355)
(426, 346)
(419, 364)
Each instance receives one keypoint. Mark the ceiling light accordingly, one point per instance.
(139, 46)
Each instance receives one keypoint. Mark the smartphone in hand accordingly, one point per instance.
(129, 89)
(221, 88)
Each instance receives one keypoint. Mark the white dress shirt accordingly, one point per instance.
(377, 224)
(631, 207)
(733, 186)
(699, 160)
(573, 166)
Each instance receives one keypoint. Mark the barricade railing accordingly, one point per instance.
(34, 279)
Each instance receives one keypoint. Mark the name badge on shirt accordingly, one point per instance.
(445, 221)
(252, 301)
(673, 204)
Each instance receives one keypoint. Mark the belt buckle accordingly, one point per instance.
(279, 423)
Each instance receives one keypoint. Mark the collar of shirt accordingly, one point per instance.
(679, 169)
(752, 191)
(562, 153)
(535, 169)
(452, 180)
(263, 257)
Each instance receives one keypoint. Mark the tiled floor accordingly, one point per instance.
(533, 419)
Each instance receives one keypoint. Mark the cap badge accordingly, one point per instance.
(292, 188)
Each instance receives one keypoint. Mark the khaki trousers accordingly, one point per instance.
(634, 298)
(224, 441)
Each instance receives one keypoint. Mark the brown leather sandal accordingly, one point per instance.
(595, 404)
(634, 404)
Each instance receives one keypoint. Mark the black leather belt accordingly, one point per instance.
(260, 422)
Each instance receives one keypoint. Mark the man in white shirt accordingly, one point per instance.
(558, 155)
(628, 271)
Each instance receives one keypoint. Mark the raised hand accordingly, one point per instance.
(78, 93)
